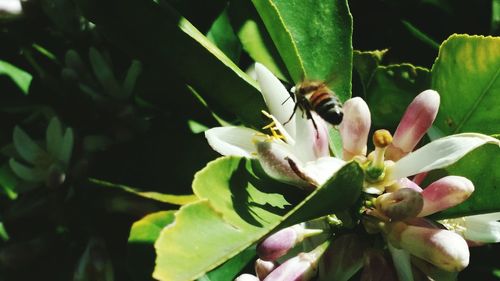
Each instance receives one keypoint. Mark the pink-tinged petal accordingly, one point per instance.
(235, 141)
(443, 248)
(302, 267)
(321, 145)
(403, 183)
(310, 143)
(445, 193)
(343, 258)
(416, 121)
(247, 277)
(263, 268)
(278, 244)
(401, 204)
(418, 179)
(277, 97)
(355, 127)
(280, 164)
(437, 154)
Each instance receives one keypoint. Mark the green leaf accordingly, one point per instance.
(391, 90)
(481, 167)
(230, 269)
(313, 38)
(420, 35)
(53, 136)
(19, 76)
(168, 40)
(467, 76)
(255, 39)
(104, 73)
(239, 207)
(161, 197)
(133, 73)
(27, 173)
(26, 147)
(222, 35)
(143, 234)
(365, 63)
(66, 148)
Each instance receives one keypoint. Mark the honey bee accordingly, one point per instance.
(316, 96)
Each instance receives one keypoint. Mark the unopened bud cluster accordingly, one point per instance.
(275, 262)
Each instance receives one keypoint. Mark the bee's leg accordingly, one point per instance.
(309, 116)
(286, 100)
(293, 113)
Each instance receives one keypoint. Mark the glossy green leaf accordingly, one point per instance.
(193, 57)
(391, 89)
(222, 35)
(255, 39)
(19, 76)
(467, 76)
(239, 207)
(364, 65)
(143, 234)
(313, 38)
(481, 167)
(230, 269)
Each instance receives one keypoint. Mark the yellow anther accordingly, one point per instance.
(382, 138)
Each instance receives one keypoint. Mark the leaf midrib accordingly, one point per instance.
(478, 101)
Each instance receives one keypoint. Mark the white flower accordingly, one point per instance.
(294, 152)
(483, 228)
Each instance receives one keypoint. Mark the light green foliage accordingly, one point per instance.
(467, 76)
(237, 208)
(313, 39)
(19, 76)
(143, 234)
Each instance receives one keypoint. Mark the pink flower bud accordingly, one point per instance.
(278, 244)
(246, 277)
(445, 193)
(416, 121)
(443, 248)
(401, 204)
(302, 267)
(263, 268)
(355, 127)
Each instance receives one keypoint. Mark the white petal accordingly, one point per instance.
(306, 136)
(482, 228)
(438, 154)
(323, 168)
(276, 158)
(276, 96)
(237, 141)
(401, 261)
